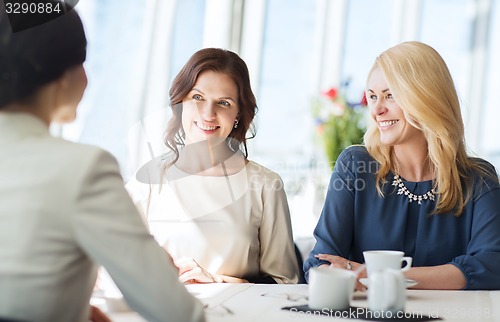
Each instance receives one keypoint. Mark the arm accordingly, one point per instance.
(478, 267)
(190, 272)
(334, 230)
(480, 264)
(108, 228)
(442, 277)
(275, 235)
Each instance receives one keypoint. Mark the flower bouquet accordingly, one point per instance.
(339, 123)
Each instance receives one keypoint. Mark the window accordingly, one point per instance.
(455, 46)
(125, 107)
(284, 89)
(367, 35)
(137, 47)
(491, 112)
(114, 64)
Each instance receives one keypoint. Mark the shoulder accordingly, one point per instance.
(81, 155)
(485, 177)
(151, 172)
(356, 159)
(263, 179)
(485, 165)
(255, 169)
(355, 153)
(78, 166)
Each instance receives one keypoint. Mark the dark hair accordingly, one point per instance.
(38, 55)
(221, 61)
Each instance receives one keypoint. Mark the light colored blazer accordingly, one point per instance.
(237, 225)
(63, 208)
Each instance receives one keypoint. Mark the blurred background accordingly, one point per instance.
(296, 50)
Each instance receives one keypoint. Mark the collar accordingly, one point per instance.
(21, 124)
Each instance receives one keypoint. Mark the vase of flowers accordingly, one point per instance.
(339, 123)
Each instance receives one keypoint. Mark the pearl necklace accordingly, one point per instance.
(402, 189)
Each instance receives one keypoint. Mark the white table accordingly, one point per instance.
(246, 302)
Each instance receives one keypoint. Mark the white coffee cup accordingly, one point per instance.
(330, 288)
(377, 260)
(387, 292)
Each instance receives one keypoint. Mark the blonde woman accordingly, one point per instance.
(413, 187)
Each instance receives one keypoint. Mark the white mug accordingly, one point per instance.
(387, 292)
(330, 288)
(377, 260)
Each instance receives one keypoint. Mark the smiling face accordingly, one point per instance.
(393, 127)
(210, 109)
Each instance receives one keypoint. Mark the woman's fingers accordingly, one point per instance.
(340, 262)
(332, 259)
(336, 261)
(196, 275)
(360, 287)
(191, 272)
(185, 264)
(189, 276)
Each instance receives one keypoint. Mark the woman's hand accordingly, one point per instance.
(97, 315)
(341, 262)
(190, 272)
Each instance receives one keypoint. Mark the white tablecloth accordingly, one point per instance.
(263, 303)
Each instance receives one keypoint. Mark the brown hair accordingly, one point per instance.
(221, 61)
(38, 55)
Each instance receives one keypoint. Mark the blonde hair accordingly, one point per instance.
(422, 86)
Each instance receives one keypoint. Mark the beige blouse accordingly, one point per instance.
(236, 225)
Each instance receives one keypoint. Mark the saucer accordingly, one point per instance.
(409, 283)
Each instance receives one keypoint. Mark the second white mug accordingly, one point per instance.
(387, 292)
(330, 288)
(377, 260)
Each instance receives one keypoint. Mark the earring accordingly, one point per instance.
(236, 124)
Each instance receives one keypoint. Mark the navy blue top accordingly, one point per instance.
(355, 218)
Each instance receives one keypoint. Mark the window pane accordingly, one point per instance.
(188, 32)
(284, 96)
(446, 26)
(114, 34)
(367, 35)
(490, 130)
(116, 63)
